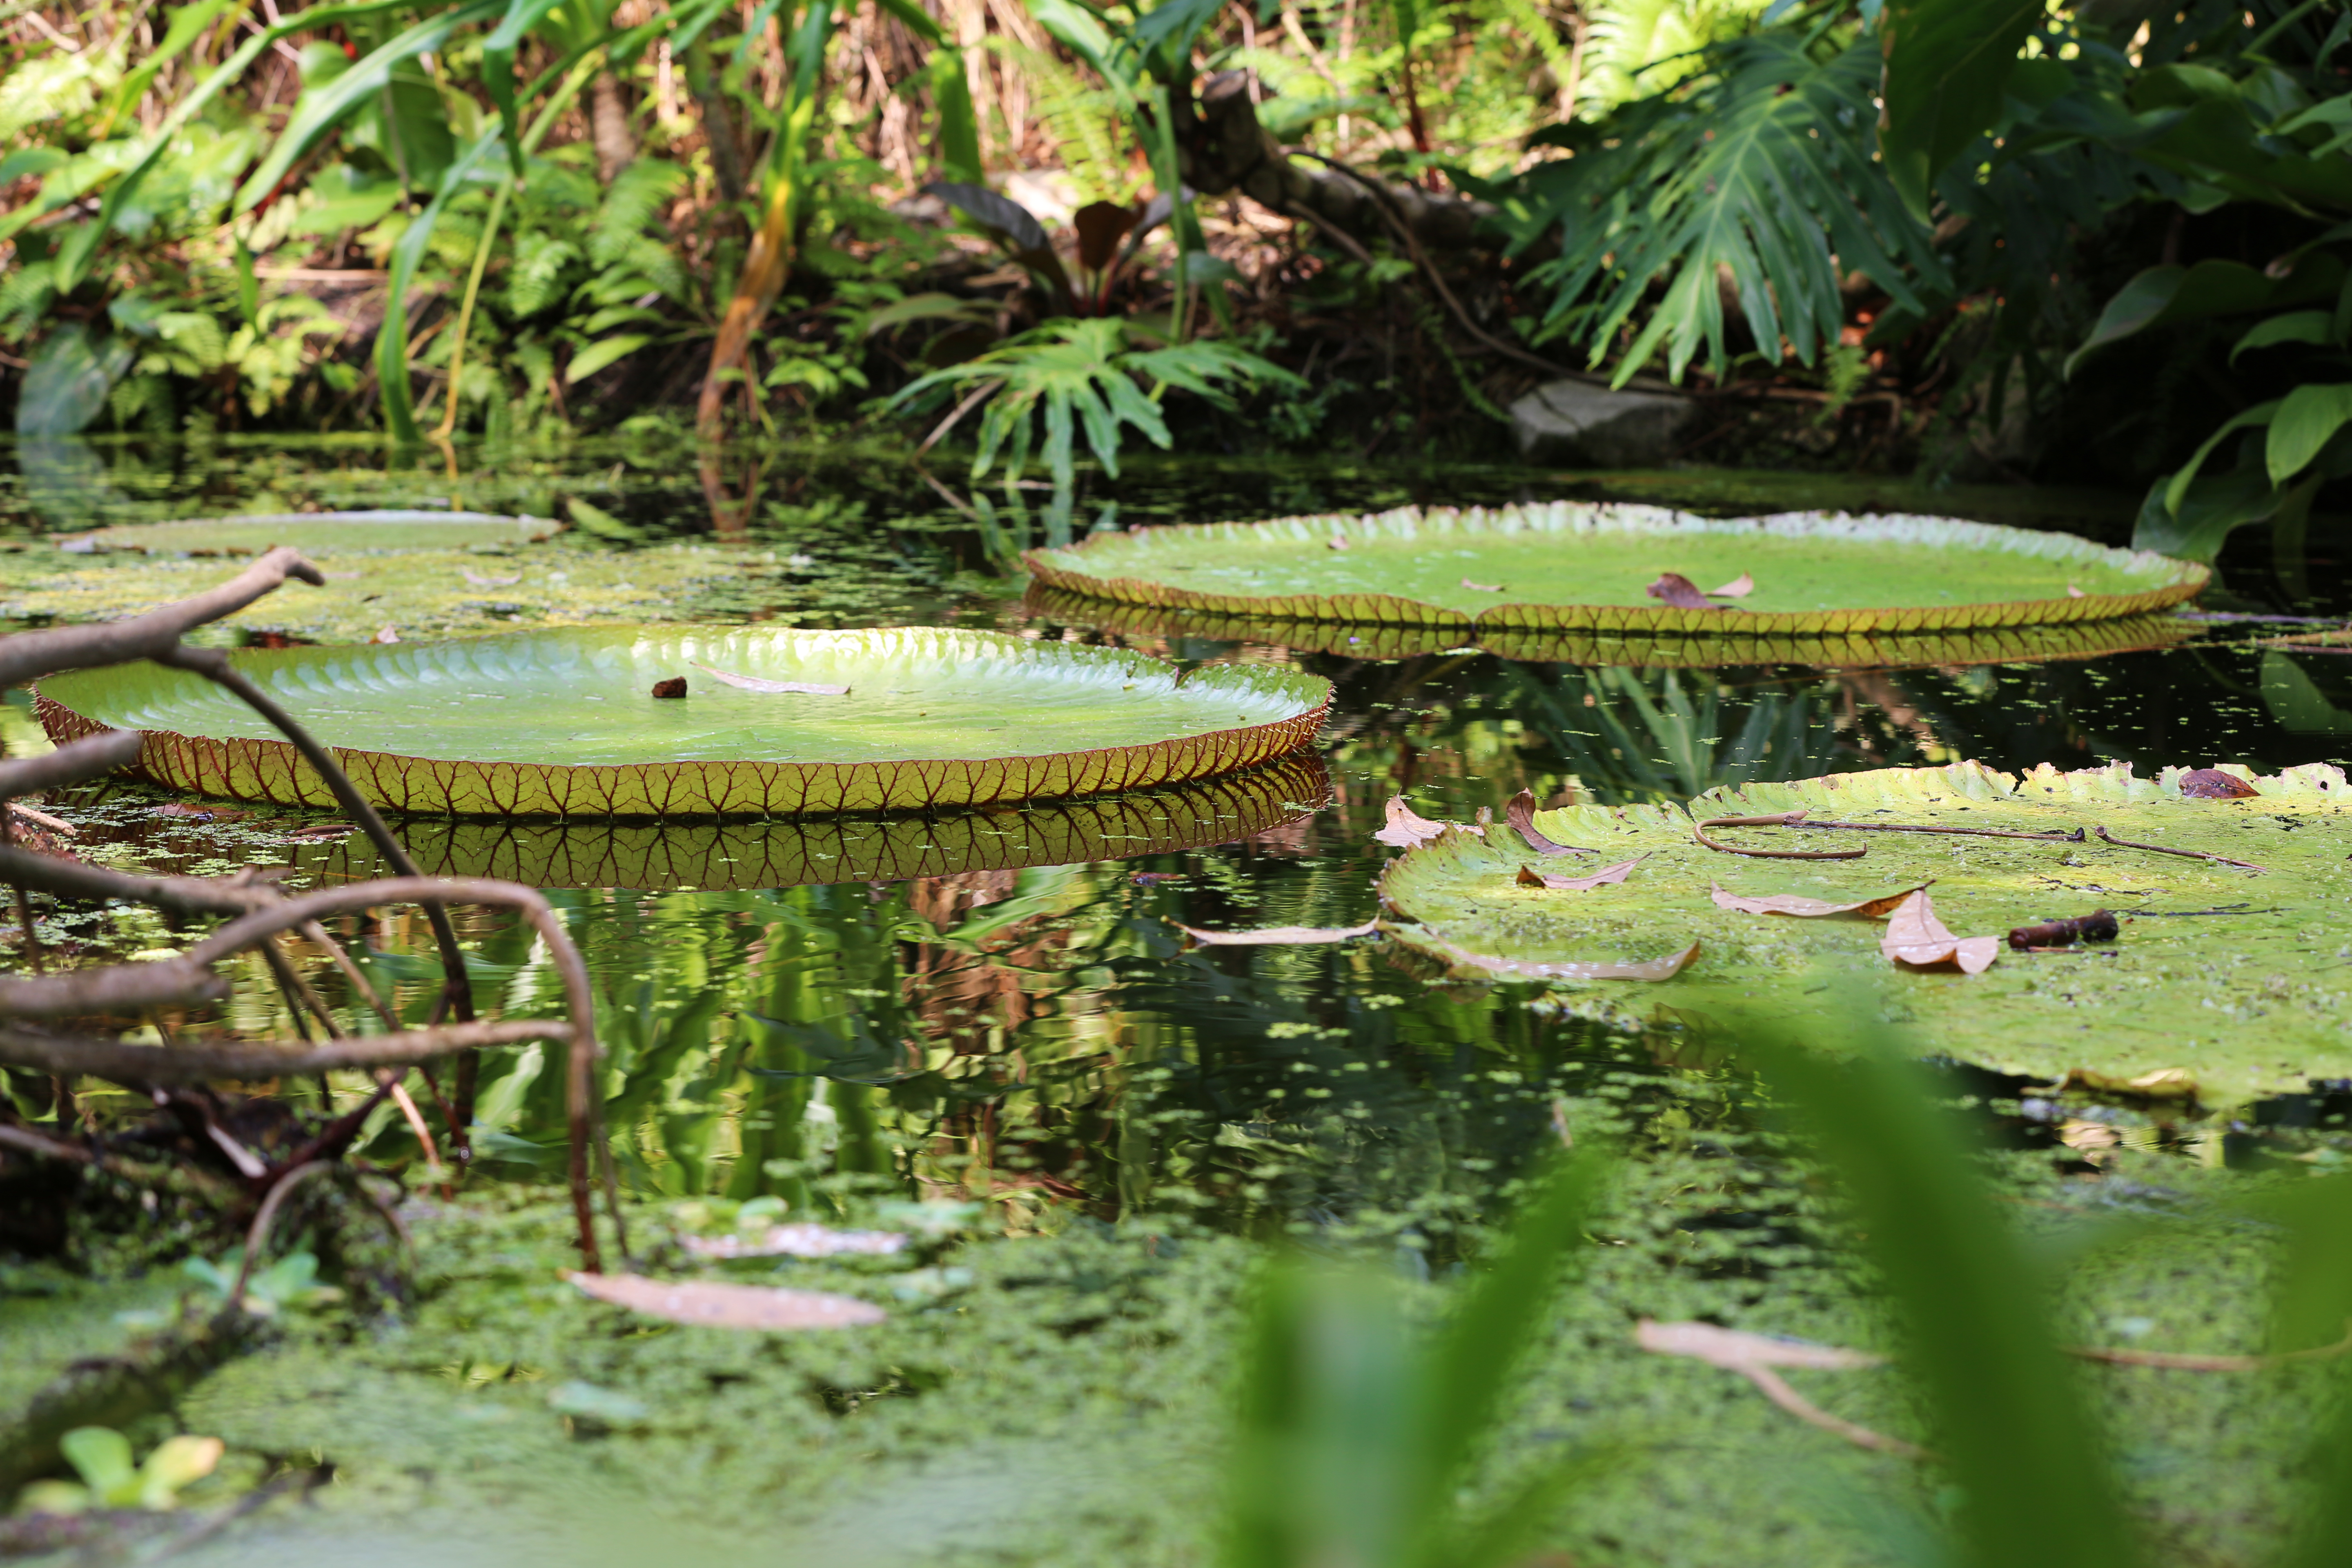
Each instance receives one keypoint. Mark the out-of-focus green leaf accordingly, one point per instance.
(604, 352)
(2293, 326)
(67, 382)
(1947, 62)
(2307, 419)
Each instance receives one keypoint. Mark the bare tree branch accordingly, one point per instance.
(160, 1065)
(71, 763)
(29, 656)
(117, 988)
(173, 895)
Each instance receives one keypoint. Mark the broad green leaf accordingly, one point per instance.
(2163, 295)
(2307, 420)
(499, 70)
(791, 851)
(1571, 567)
(2293, 326)
(67, 382)
(2176, 488)
(598, 355)
(564, 723)
(1947, 62)
(2209, 508)
(2215, 974)
(101, 1457)
(316, 112)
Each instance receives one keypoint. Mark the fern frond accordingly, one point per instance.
(636, 195)
(1085, 122)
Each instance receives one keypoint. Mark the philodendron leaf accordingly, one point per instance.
(790, 851)
(1580, 567)
(2225, 968)
(561, 722)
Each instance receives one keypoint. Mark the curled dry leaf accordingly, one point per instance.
(386, 633)
(753, 683)
(2165, 1083)
(2075, 592)
(1482, 587)
(1521, 814)
(1665, 968)
(1739, 587)
(1916, 939)
(1275, 936)
(1810, 909)
(1530, 877)
(728, 1306)
(801, 1240)
(2212, 784)
(1406, 829)
(1736, 1350)
(1680, 593)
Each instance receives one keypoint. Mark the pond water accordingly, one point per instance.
(1006, 1004)
(1000, 1008)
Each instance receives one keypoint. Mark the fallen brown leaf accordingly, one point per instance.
(1682, 594)
(1739, 587)
(2212, 784)
(2165, 1083)
(1530, 877)
(728, 1306)
(1521, 814)
(1665, 968)
(2075, 592)
(1808, 909)
(1916, 939)
(1275, 936)
(386, 633)
(753, 683)
(1406, 829)
(1754, 1357)
(1482, 587)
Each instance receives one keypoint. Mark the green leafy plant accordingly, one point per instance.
(101, 1457)
(1084, 375)
(1359, 1438)
(291, 1282)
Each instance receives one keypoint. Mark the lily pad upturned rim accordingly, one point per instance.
(1635, 651)
(242, 768)
(2173, 580)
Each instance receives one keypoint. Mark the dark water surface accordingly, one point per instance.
(1002, 1007)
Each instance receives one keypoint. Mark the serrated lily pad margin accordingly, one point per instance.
(2169, 581)
(263, 769)
(2249, 1002)
(718, 856)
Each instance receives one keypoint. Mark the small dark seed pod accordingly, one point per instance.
(2099, 925)
(674, 687)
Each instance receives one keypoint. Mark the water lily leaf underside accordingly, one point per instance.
(2242, 977)
(1580, 567)
(563, 722)
(793, 851)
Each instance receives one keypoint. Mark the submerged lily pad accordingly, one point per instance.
(2242, 977)
(1576, 567)
(720, 855)
(316, 533)
(564, 723)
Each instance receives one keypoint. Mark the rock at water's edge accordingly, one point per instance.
(1578, 424)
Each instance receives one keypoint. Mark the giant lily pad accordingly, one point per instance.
(1576, 567)
(1635, 650)
(2240, 978)
(789, 852)
(563, 722)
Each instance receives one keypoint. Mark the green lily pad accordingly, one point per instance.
(1637, 650)
(564, 723)
(790, 852)
(316, 533)
(2241, 978)
(1576, 567)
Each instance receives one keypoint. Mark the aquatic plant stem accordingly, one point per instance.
(2186, 854)
(482, 248)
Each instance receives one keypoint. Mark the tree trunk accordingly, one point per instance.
(608, 126)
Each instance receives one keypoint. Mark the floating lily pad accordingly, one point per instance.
(316, 533)
(1635, 649)
(725, 856)
(564, 723)
(2241, 977)
(1576, 567)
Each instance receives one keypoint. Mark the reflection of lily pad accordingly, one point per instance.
(790, 852)
(1571, 567)
(2236, 976)
(563, 724)
(316, 533)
